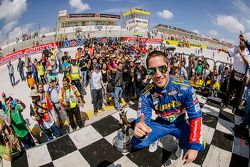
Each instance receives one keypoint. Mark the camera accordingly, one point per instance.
(13, 104)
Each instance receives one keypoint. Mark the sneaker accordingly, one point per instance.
(179, 152)
(102, 109)
(153, 147)
(95, 113)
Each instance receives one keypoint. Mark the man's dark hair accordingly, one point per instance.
(155, 54)
(65, 78)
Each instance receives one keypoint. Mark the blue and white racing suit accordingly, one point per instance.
(171, 105)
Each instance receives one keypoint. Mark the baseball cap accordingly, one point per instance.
(3, 94)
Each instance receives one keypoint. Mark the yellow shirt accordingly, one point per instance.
(40, 69)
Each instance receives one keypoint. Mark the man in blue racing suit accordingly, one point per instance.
(171, 99)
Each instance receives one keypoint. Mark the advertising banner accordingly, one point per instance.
(34, 50)
(144, 40)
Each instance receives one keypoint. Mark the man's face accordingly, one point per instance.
(65, 83)
(40, 88)
(159, 78)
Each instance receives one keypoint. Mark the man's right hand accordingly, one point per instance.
(141, 129)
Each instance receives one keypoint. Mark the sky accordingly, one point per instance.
(221, 19)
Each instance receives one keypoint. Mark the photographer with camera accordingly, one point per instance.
(15, 120)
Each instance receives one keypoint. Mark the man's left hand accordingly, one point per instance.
(190, 156)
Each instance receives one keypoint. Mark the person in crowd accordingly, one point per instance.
(41, 72)
(15, 120)
(75, 74)
(30, 81)
(238, 75)
(140, 77)
(168, 99)
(128, 81)
(11, 73)
(34, 71)
(40, 110)
(28, 65)
(20, 69)
(51, 76)
(105, 76)
(5, 145)
(118, 85)
(96, 84)
(66, 67)
(183, 71)
(69, 97)
(199, 67)
(78, 54)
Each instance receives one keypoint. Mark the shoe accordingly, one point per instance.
(95, 113)
(153, 147)
(233, 110)
(179, 152)
(102, 109)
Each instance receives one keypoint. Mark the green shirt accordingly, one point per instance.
(17, 122)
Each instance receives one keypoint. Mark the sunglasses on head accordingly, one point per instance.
(152, 70)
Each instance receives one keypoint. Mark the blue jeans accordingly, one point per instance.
(22, 75)
(180, 130)
(12, 79)
(246, 120)
(27, 141)
(53, 129)
(84, 76)
(117, 97)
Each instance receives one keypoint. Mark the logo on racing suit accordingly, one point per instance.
(173, 104)
(172, 92)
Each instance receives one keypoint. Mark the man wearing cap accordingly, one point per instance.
(51, 76)
(40, 111)
(96, 85)
(140, 74)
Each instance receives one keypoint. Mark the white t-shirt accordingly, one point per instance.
(96, 78)
(238, 64)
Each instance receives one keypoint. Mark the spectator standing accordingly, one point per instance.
(75, 75)
(140, 74)
(238, 76)
(20, 69)
(11, 73)
(68, 97)
(96, 84)
(118, 83)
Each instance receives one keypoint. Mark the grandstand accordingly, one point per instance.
(174, 33)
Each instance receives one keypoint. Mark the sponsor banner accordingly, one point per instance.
(144, 40)
(34, 50)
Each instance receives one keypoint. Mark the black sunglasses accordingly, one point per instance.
(152, 70)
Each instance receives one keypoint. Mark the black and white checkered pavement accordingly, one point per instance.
(93, 144)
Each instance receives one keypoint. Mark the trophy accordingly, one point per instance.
(122, 139)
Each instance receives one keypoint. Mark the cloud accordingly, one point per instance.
(115, 10)
(213, 33)
(229, 41)
(79, 5)
(166, 14)
(230, 23)
(247, 35)
(12, 10)
(196, 31)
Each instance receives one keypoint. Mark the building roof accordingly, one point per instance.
(136, 10)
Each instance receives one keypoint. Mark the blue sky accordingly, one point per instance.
(222, 19)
